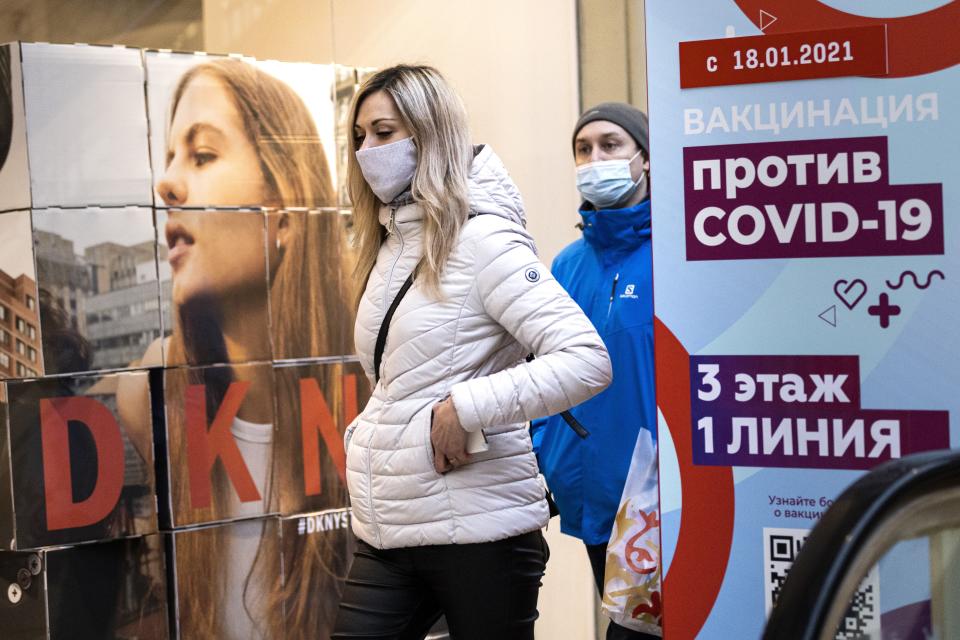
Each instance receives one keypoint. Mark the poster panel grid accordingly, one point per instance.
(175, 325)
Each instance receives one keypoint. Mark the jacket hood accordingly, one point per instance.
(492, 191)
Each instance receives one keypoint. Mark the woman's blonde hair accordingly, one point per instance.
(437, 121)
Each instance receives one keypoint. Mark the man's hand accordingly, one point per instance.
(448, 438)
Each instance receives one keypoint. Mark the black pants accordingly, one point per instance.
(598, 561)
(486, 591)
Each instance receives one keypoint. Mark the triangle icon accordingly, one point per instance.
(829, 315)
(766, 19)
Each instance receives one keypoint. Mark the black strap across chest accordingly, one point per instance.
(381, 344)
(385, 327)
(385, 324)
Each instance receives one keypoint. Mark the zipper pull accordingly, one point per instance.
(613, 289)
(393, 220)
(613, 292)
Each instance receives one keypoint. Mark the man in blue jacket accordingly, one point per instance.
(609, 273)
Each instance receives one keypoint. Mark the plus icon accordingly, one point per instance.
(884, 310)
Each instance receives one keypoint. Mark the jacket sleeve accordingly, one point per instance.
(520, 294)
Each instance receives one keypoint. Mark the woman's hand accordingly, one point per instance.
(448, 437)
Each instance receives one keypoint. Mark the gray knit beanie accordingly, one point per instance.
(630, 118)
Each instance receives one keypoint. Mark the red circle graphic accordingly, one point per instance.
(706, 517)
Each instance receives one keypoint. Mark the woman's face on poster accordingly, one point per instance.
(212, 162)
(210, 159)
(216, 253)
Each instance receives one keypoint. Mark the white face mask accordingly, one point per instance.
(389, 168)
(607, 183)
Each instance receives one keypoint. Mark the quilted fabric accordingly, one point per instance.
(499, 304)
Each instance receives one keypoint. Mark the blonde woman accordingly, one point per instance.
(239, 137)
(443, 529)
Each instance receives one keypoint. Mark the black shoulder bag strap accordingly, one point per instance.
(574, 424)
(385, 327)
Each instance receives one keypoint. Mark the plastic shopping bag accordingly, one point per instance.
(631, 590)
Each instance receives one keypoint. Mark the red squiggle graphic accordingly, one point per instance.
(655, 608)
(638, 557)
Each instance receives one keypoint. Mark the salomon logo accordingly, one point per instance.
(533, 275)
(628, 293)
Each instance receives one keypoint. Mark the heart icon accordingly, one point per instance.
(850, 292)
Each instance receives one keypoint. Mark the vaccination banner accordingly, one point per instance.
(806, 287)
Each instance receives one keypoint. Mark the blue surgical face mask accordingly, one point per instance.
(607, 183)
(389, 168)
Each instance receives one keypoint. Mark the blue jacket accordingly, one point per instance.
(609, 273)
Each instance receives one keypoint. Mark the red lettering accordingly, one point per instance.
(315, 415)
(55, 414)
(350, 408)
(205, 446)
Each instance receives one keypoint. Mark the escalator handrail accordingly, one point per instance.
(832, 547)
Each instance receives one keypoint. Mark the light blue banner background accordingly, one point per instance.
(753, 307)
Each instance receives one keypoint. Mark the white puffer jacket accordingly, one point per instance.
(500, 303)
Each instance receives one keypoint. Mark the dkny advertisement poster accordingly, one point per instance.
(189, 299)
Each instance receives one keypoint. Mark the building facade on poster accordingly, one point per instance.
(20, 344)
(19, 327)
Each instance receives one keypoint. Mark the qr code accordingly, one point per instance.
(780, 549)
